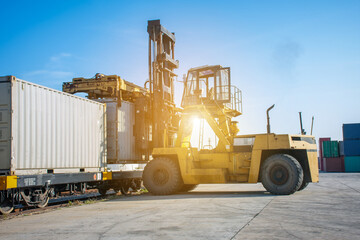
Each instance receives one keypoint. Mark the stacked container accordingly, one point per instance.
(351, 135)
(332, 162)
(341, 148)
(321, 159)
(330, 149)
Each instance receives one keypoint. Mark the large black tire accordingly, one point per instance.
(281, 174)
(188, 187)
(162, 176)
(304, 184)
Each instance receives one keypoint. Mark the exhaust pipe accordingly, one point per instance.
(268, 117)
(312, 125)
(302, 130)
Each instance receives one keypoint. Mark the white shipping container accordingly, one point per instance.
(120, 131)
(44, 130)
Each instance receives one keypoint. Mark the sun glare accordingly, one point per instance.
(195, 132)
(202, 137)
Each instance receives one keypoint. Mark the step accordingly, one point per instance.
(207, 171)
(239, 178)
(246, 163)
(243, 170)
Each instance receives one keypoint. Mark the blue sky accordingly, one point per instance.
(300, 55)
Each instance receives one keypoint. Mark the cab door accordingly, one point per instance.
(222, 85)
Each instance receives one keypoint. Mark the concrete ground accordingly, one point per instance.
(326, 210)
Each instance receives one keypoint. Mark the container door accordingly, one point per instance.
(126, 137)
(5, 125)
(111, 124)
(326, 149)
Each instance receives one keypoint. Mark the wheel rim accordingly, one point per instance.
(161, 177)
(279, 175)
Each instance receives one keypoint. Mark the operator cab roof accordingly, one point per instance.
(205, 67)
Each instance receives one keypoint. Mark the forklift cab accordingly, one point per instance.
(211, 85)
(207, 83)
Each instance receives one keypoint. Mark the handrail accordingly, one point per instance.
(234, 103)
(235, 99)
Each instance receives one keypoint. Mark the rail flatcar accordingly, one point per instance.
(51, 142)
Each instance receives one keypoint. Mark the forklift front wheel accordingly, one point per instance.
(162, 176)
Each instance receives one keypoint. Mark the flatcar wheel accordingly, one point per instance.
(103, 191)
(124, 189)
(44, 202)
(6, 207)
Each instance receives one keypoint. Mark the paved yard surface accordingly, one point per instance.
(326, 210)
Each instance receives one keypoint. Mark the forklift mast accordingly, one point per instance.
(156, 117)
(161, 78)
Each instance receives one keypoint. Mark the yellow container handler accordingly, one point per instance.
(283, 163)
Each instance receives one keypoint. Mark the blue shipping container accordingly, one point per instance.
(352, 148)
(351, 131)
(352, 164)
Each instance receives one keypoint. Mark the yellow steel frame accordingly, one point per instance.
(222, 128)
(103, 85)
(223, 164)
(107, 176)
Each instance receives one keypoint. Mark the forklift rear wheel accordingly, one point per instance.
(282, 174)
(162, 176)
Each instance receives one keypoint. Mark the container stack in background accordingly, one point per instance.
(341, 156)
(351, 147)
(321, 155)
(332, 161)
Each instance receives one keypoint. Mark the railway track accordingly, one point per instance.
(66, 200)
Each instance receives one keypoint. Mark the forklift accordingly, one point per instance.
(283, 163)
